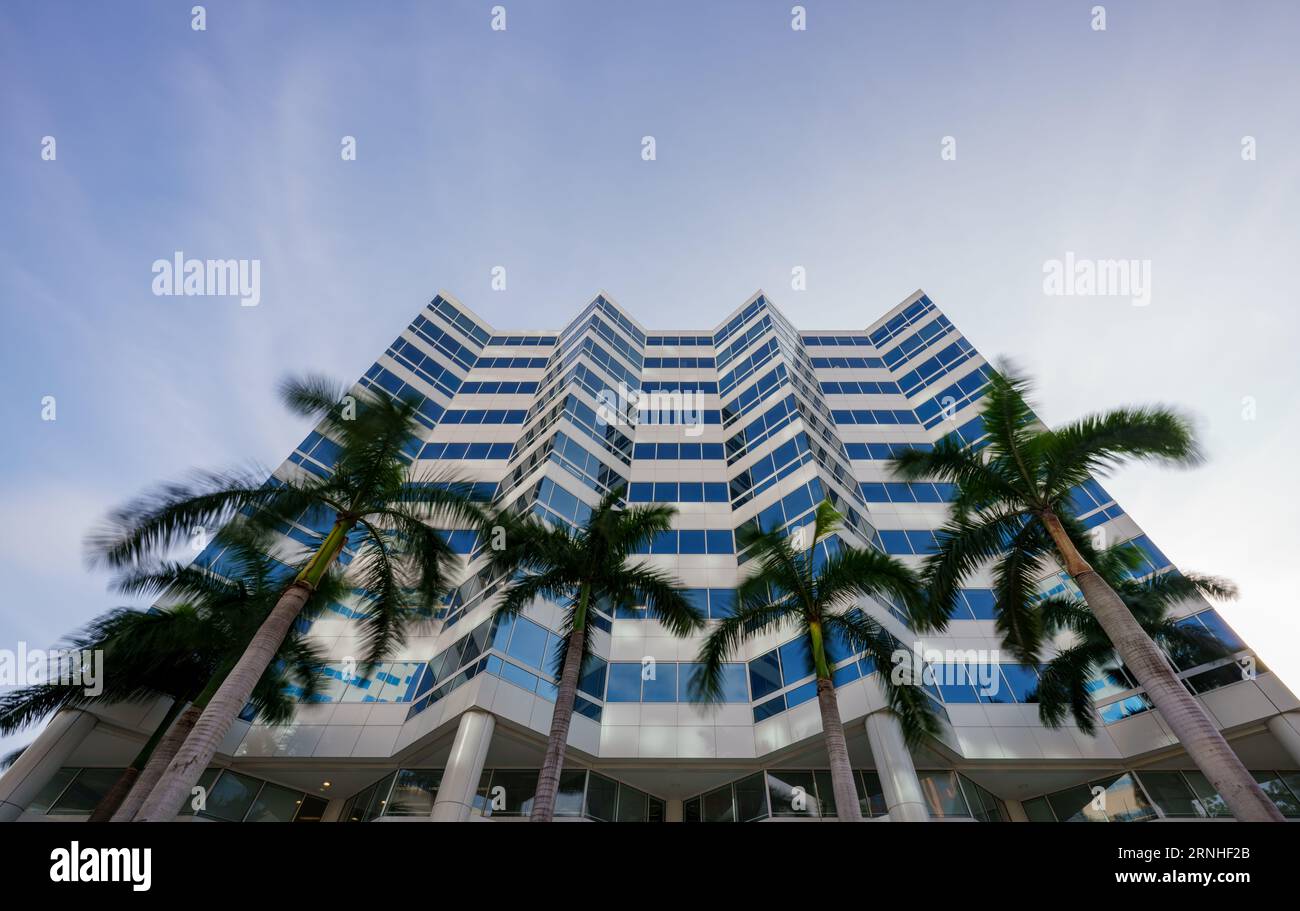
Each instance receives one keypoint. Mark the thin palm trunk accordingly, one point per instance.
(108, 805)
(1197, 733)
(219, 715)
(548, 781)
(233, 694)
(168, 748)
(157, 764)
(847, 807)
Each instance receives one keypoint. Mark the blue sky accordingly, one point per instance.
(522, 149)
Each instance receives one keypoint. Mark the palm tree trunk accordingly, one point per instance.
(1197, 733)
(548, 781)
(212, 726)
(107, 806)
(847, 807)
(157, 764)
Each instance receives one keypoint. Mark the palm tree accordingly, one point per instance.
(581, 568)
(180, 651)
(819, 594)
(231, 606)
(1011, 507)
(1063, 685)
(371, 501)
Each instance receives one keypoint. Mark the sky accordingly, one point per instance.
(829, 149)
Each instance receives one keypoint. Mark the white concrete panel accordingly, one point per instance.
(804, 720)
(619, 742)
(657, 742)
(696, 742)
(315, 713)
(1240, 703)
(338, 740)
(513, 703)
(234, 737)
(584, 734)
(659, 714)
(542, 713)
(979, 742)
(734, 742)
(1018, 743)
(1139, 734)
(1100, 746)
(772, 734)
(385, 713)
(1058, 744)
(350, 712)
(377, 742)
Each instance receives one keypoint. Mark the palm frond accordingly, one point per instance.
(907, 698)
(1015, 590)
(852, 573)
(964, 546)
(1062, 685)
(169, 515)
(1099, 443)
(662, 596)
(750, 618)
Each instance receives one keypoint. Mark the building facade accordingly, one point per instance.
(752, 421)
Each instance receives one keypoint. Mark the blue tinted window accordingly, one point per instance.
(592, 681)
(922, 541)
(769, 708)
(801, 694)
(846, 674)
(772, 517)
(698, 598)
(528, 643)
(734, 688)
(1214, 623)
(721, 541)
(513, 673)
(798, 502)
(624, 682)
(874, 493)
(1021, 680)
(722, 603)
(837, 647)
(663, 686)
(691, 542)
(797, 659)
(895, 542)
(764, 675)
(954, 683)
(665, 542)
(501, 632)
(981, 601)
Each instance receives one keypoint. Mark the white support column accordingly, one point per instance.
(464, 767)
(902, 789)
(23, 780)
(1283, 727)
